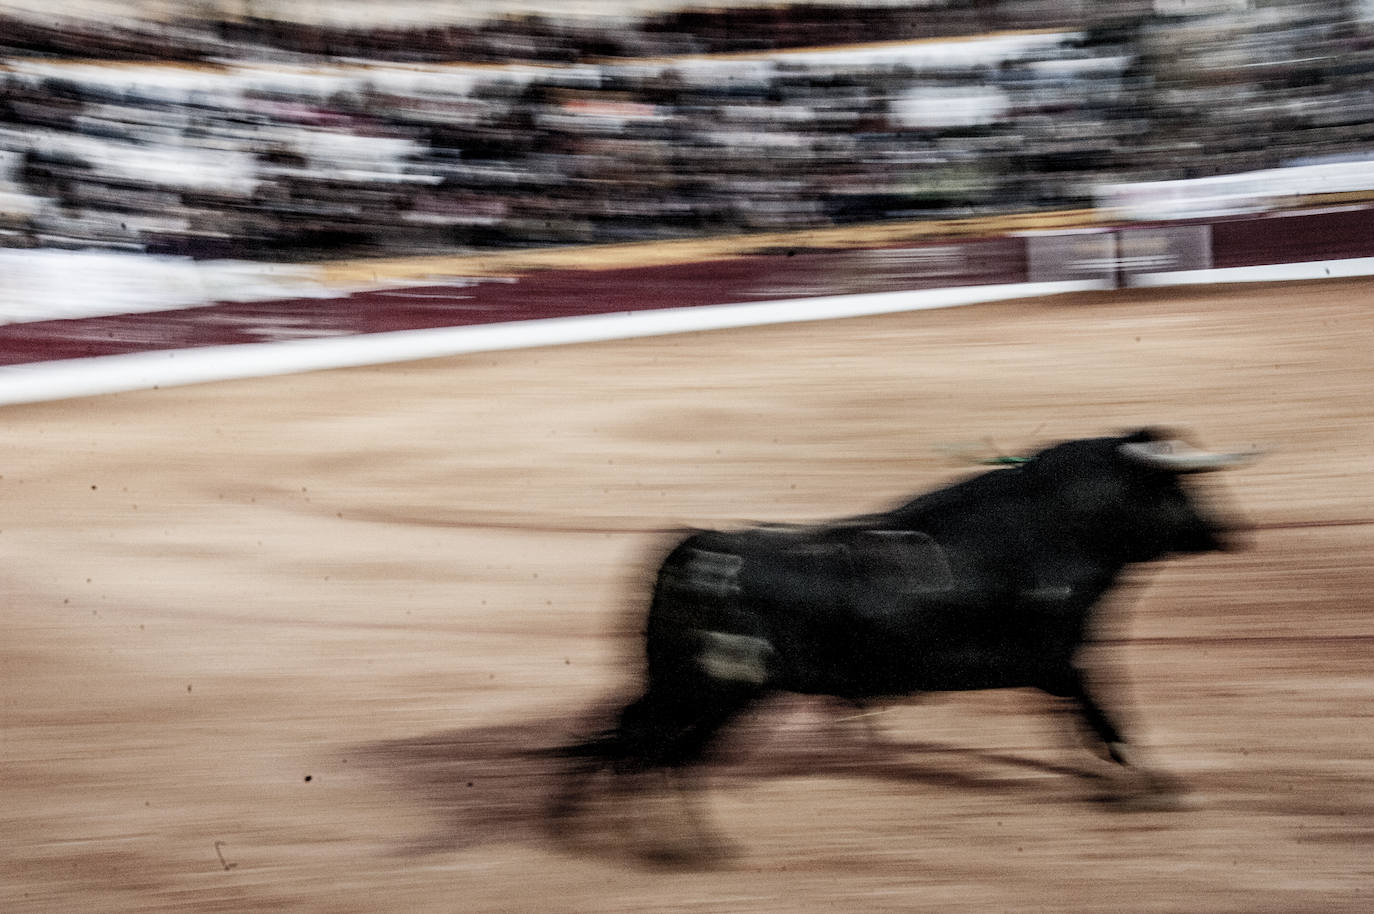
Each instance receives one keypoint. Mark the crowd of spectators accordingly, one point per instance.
(541, 38)
(1277, 85)
(273, 158)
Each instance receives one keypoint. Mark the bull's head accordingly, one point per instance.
(1130, 495)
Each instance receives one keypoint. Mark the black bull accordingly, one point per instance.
(989, 583)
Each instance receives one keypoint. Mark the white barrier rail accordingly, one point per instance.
(1228, 195)
(42, 381)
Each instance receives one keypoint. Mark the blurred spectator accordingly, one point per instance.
(276, 159)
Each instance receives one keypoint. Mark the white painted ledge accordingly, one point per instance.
(56, 380)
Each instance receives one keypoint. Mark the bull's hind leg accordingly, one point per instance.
(574, 782)
(657, 739)
(669, 730)
(622, 751)
(617, 761)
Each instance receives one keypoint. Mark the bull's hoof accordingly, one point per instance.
(713, 854)
(562, 811)
(1153, 791)
(561, 826)
(1169, 794)
(1156, 802)
(1161, 783)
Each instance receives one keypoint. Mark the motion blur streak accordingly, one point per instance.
(215, 591)
(302, 643)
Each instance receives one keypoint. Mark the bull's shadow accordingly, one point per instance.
(489, 785)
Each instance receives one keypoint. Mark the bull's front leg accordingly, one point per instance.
(1155, 783)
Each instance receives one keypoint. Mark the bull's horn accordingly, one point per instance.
(1180, 457)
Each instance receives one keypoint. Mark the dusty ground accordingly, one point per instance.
(283, 645)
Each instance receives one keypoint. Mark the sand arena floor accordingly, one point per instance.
(284, 644)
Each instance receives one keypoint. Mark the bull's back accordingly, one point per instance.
(810, 609)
